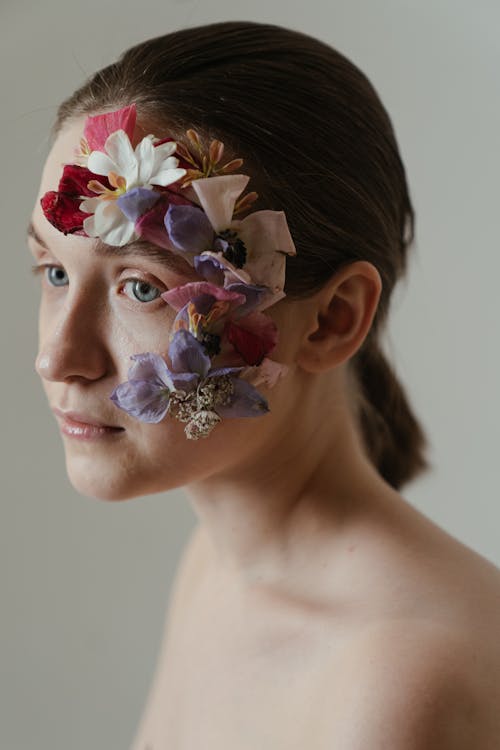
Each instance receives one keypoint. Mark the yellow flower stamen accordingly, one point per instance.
(118, 182)
(103, 192)
(218, 309)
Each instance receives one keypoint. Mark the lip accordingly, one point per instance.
(84, 426)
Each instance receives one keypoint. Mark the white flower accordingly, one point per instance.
(125, 169)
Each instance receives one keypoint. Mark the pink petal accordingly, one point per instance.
(217, 196)
(267, 373)
(267, 239)
(99, 127)
(181, 295)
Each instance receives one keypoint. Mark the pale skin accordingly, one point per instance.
(314, 607)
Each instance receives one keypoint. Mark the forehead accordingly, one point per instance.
(63, 152)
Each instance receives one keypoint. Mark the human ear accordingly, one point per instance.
(341, 315)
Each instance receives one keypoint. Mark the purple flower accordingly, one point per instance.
(135, 202)
(218, 392)
(190, 391)
(146, 393)
(210, 268)
(189, 229)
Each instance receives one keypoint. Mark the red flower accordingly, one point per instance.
(252, 336)
(62, 207)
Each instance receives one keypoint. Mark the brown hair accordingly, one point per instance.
(319, 145)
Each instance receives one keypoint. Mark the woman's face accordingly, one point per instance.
(96, 311)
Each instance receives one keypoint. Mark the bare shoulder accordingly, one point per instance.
(410, 685)
(422, 668)
(411, 568)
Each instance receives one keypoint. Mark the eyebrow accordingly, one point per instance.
(142, 248)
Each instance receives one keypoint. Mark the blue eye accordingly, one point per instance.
(142, 291)
(56, 276)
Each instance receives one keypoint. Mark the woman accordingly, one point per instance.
(187, 340)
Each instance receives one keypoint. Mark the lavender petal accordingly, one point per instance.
(253, 293)
(142, 399)
(151, 226)
(150, 367)
(209, 267)
(245, 402)
(188, 355)
(134, 203)
(184, 381)
(188, 228)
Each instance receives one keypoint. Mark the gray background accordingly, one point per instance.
(84, 582)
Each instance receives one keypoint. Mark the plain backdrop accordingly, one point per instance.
(85, 583)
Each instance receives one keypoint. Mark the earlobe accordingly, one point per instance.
(341, 317)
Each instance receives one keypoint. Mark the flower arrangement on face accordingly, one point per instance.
(178, 196)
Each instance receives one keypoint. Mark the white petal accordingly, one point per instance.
(167, 177)
(144, 153)
(89, 226)
(89, 205)
(106, 215)
(100, 163)
(121, 235)
(164, 150)
(112, 225)
(171, 162)
(131, 176)
(217, 196)
(120, 150)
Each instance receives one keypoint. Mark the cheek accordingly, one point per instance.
(45, 316)
(134, 333)
(46, 322)
(167, 452)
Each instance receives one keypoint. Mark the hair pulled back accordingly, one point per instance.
(318, 144)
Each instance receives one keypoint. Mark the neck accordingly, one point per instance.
(277, 512)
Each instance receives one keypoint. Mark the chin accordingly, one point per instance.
(99, 485)
(152, 461)
(132, 471)
(110, 480)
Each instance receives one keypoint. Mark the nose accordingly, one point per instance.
(72, 342)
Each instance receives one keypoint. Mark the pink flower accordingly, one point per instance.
(262, 239)
(222, 320)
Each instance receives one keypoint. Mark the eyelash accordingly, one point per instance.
(38, 269)
(43, 267)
